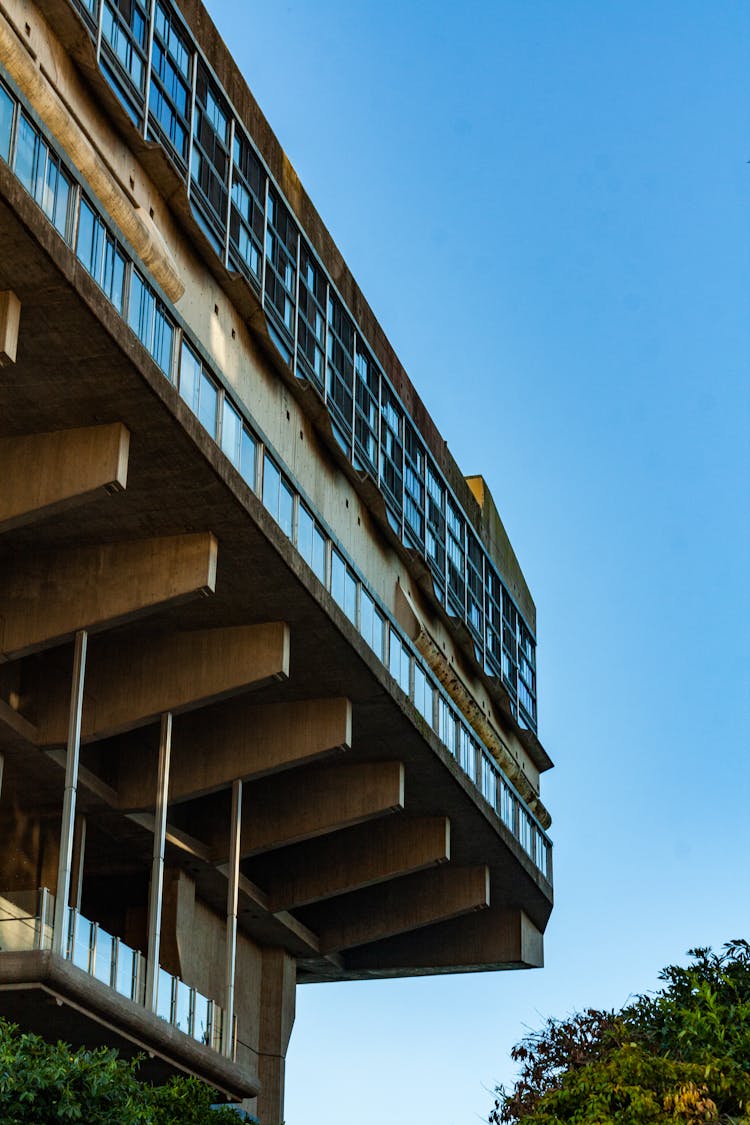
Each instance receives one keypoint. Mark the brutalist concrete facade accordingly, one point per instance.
(267, 660)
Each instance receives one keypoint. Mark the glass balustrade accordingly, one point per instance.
(26, 924)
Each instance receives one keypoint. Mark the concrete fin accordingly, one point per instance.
(131, 685)
(44, 474)
(46, 597)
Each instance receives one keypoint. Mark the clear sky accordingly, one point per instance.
(546, 205)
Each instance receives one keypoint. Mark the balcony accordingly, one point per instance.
(60, 993)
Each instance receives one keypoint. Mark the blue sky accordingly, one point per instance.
(546, 205)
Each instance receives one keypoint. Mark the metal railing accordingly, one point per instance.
(26, 924)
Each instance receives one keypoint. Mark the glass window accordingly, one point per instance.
(231, 431)
(281, 265)
(506, 805)
(424, 693)
(319, 554)
(169, 99)
(467, 758)
(311, 318)
(286, 508)
(271, 486)
(371, 623)
(399, 662)
(182, 1006)
(338, 577)
(488, 780)
(447, 725)
(350, 596)
(248, 457)
(6, 122)
(190, 373)
(208, 403)
(246, 218)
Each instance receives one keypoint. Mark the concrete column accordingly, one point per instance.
(232, 896)
(157, 865)
(62, 890)
(277, 1002)
(2, 768)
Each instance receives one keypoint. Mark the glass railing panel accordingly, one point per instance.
(183, 1004)
(202, 1019)
(18, 920)
(81, 941)
(126, 973)
(164, 995)
(103, 954)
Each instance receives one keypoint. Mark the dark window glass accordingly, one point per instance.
(123, 61)
(169, 97)
(311, 319)
(210, 158)
(246, 211)
(281, 265)
(366, 410)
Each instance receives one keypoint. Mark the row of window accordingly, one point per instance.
(154, 67)
(158, 330)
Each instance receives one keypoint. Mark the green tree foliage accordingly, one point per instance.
(49, 1083)
(681, 1055)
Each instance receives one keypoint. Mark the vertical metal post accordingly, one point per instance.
(2, 769)
(62, 891)
(235, 831)
(79, 856)
(157, 865)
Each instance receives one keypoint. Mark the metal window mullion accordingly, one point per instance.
(193, 98)
(157, 864)
(149, 54)
(296, 300)
(230, 163)
(265, 243)
(235, 830)
(99, 24)
(325, 338)
(62, 890)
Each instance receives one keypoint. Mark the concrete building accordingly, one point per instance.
(267, 671)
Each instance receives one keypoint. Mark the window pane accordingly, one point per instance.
(271, 484)
(190, 370)
(350, 596)
(27, 145)
(248, 453)
(6, 123)
(338, 577)
(163, 342)
(209, 399)
(304, 533)
(230, 432)
(286, 508)
(319, 554)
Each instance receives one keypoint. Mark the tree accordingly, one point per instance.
(682, 1055)
(49, 1084)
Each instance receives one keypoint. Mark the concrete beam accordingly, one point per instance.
(44, 474)
(312, 802)
(490, 939)
(400, 906)
(46, 598)
(358, 858)
(237, 741)
(10, 319)
(132, 684)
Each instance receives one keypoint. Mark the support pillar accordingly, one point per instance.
(157, 864)
(278, 986)
(235, 829)
(62, 890)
